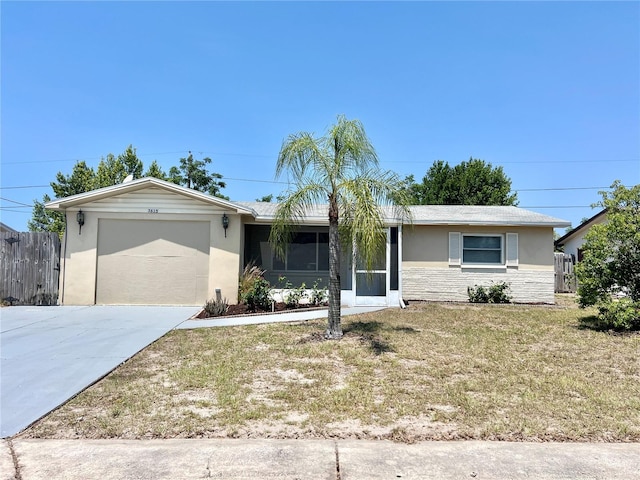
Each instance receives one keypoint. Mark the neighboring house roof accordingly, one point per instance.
(6, 228)
(580, 229)
(434, 215)
(141, 183)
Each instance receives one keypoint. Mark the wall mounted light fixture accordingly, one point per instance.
(80, 220)
(225, 223)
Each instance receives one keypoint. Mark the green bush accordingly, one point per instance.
(318, 295)
(249, 275)
(295, 295)
(621, 314)
(478, 294)
(257, 295)
(495, 293)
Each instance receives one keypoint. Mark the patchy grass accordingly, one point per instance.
(432, 371)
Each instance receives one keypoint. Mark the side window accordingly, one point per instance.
(482, 249)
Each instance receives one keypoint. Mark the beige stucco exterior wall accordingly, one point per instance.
(79, 263)
(427, 275)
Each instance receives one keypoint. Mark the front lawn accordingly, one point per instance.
(432, 371)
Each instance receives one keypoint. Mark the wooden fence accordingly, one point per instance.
(29, 268)
(565, 276)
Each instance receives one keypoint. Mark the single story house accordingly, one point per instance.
(571, 242)
(148, 241)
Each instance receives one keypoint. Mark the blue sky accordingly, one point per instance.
(550, 91)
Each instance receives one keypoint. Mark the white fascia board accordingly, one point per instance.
(139, 184)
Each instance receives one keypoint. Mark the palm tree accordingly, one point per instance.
(340, 169)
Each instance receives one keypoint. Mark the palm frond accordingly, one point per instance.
(298, 155)
(291, 211)
(351, 149)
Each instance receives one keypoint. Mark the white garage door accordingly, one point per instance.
(152, 262)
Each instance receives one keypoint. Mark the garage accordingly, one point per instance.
(149, 242)
(152, 262)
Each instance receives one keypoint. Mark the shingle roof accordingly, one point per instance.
(434, 215)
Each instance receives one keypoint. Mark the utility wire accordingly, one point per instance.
(17, 203)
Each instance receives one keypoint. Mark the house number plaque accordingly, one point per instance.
(152, 210)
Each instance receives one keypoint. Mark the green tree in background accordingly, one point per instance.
(475, 182)
(113, 170)
(609, 273)
(192, 173)
(156, 171)
(82, 179)
(340, 169)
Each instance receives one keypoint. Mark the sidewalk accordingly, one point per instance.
(288, 316)
(315, 459)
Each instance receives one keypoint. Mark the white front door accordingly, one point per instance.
(372, 287)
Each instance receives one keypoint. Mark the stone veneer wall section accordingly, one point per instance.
(450, 284)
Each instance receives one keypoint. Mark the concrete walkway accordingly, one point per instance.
(314, 459)
(289, 316)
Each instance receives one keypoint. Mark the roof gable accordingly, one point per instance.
(597, 218)
(124, 190)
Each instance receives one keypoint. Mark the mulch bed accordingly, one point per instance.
(243, 309)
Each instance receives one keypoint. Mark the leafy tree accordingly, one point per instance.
(266, 198)
(475, 182)
(193, 173)
(82, 179)
(156, 171)
(340, 168)
(111, 170)
(114, 170)
(609, 273)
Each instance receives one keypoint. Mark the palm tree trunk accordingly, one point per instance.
(334, 328)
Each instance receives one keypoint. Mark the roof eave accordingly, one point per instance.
(106, 192)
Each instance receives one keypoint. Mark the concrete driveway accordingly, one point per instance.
(49, 354)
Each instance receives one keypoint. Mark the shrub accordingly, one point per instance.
(215, 308)
(622, 314)
(295, 295)
(496, 293)
(257, 295)
(499, 293)
(318, 295)
(249, 275)
(478, 294)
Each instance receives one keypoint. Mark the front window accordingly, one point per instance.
(307, 252)
(482, 249)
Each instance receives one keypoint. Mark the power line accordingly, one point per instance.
(526, 162)
(17, 203)
(82, 159)
(559, 189)
(249, 155)
(556, 206)
(15, 211)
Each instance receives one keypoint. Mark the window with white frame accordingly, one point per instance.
(482, 249)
